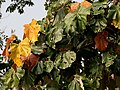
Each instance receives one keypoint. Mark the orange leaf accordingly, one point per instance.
(101, 41)
(31, 31)
(30, 61)
(74, 6)
(10, 39)
(85, 4)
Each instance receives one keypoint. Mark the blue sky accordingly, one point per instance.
(15, 21)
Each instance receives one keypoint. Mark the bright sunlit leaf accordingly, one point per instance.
(31, 30)
(23, 48)
(116, 24)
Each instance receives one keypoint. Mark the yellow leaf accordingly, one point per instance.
(18, 61)
(116, 24)
(14, 51)
(15, 54)
(31, 30)
(23, 48)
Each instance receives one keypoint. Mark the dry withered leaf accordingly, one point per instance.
(30, 61)
(117, 48)
(5, 52)
(8, 41)
(14, 66)
(101, 41)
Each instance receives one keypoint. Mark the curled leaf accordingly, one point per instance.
(101, 41)
(5, 52)
(8, 41)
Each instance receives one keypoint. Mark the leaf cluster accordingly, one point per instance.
(76, 50)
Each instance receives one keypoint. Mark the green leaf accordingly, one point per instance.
(69, 20)
(98, 7)
(60, 16)
(28, 79)
(38, 69)
(83, 10)
(76, 84)
(53, 85)
(98, 24)
(114, 12)
(108, 59)
(48, 65)
(36, 49)
(57, 35)
(12, 78)
(65, 60)
(72, 85)
(80, 16)
(15, 81)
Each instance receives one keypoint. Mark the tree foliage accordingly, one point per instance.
(75, 47)
(17, 5)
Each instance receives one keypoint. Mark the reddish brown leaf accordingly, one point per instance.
(5, 52)
(14, 66)
(117, 48)
(30, 61)
(8, 41)
(101, 41)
